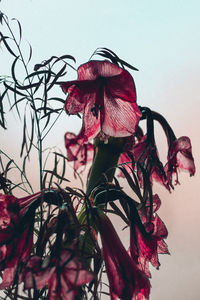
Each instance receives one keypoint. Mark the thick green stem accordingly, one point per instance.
(105, 161)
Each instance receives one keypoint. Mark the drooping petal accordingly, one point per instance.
(122, 87)
(4, 215)
(146, 154)
(35, 274)
(180, 157)
(120, 118)
(126, 281)
(63, 275)
(91, 123)
(78, 151)
(149, 247)
(16, 236)
(73, 270)
(183, 150)
(79, 94)
(8, 277)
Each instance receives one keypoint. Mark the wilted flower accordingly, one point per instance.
(148, 247)
(77, 151)
(179, 157)
(16, 235)
(145, 154)
(63, 274)
(106, 96)
(126, 281)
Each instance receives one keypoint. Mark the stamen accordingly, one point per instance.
(94, 110)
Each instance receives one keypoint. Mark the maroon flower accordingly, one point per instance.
(106, 96)
(149, 247)
(63, 274)
(179, 157)
(126, 281)
(77, 151)
(16, 236)
(145, 154)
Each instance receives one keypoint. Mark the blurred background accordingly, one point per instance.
(162, 40)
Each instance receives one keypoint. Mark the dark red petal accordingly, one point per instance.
(156, 202)
(79, 94)
(162, 247)
(185, 159)
(122, 87)
(4, 215)
(125, 279)
(75, 101)
(66, 85)
(3, 251)
(94, 69)
(185, 163)
(8, 277)
(34, 274)
(73, 271)
(160, 229)
(77, 150)
(179, 157)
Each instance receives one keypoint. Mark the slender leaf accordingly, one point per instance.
(30, 53)
(65, 57)
(58, 75)
(37, 73)
(57, 99)
(32, 135)
(14, 90)
(20, 29)
(3, 38)
(24, 143)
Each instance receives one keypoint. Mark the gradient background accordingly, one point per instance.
(161, 39)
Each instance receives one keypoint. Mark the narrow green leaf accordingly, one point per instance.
(14, 90)
(3, 38)
(58, 75)
(20, 29)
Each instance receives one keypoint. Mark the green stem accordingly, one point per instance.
(105, 162)
(104, 166)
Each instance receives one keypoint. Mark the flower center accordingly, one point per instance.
(94, 110)
(99, 101)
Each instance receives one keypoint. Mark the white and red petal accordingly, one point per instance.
(120, 118)
(91, 123)
(179, 157)
(184, 156)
